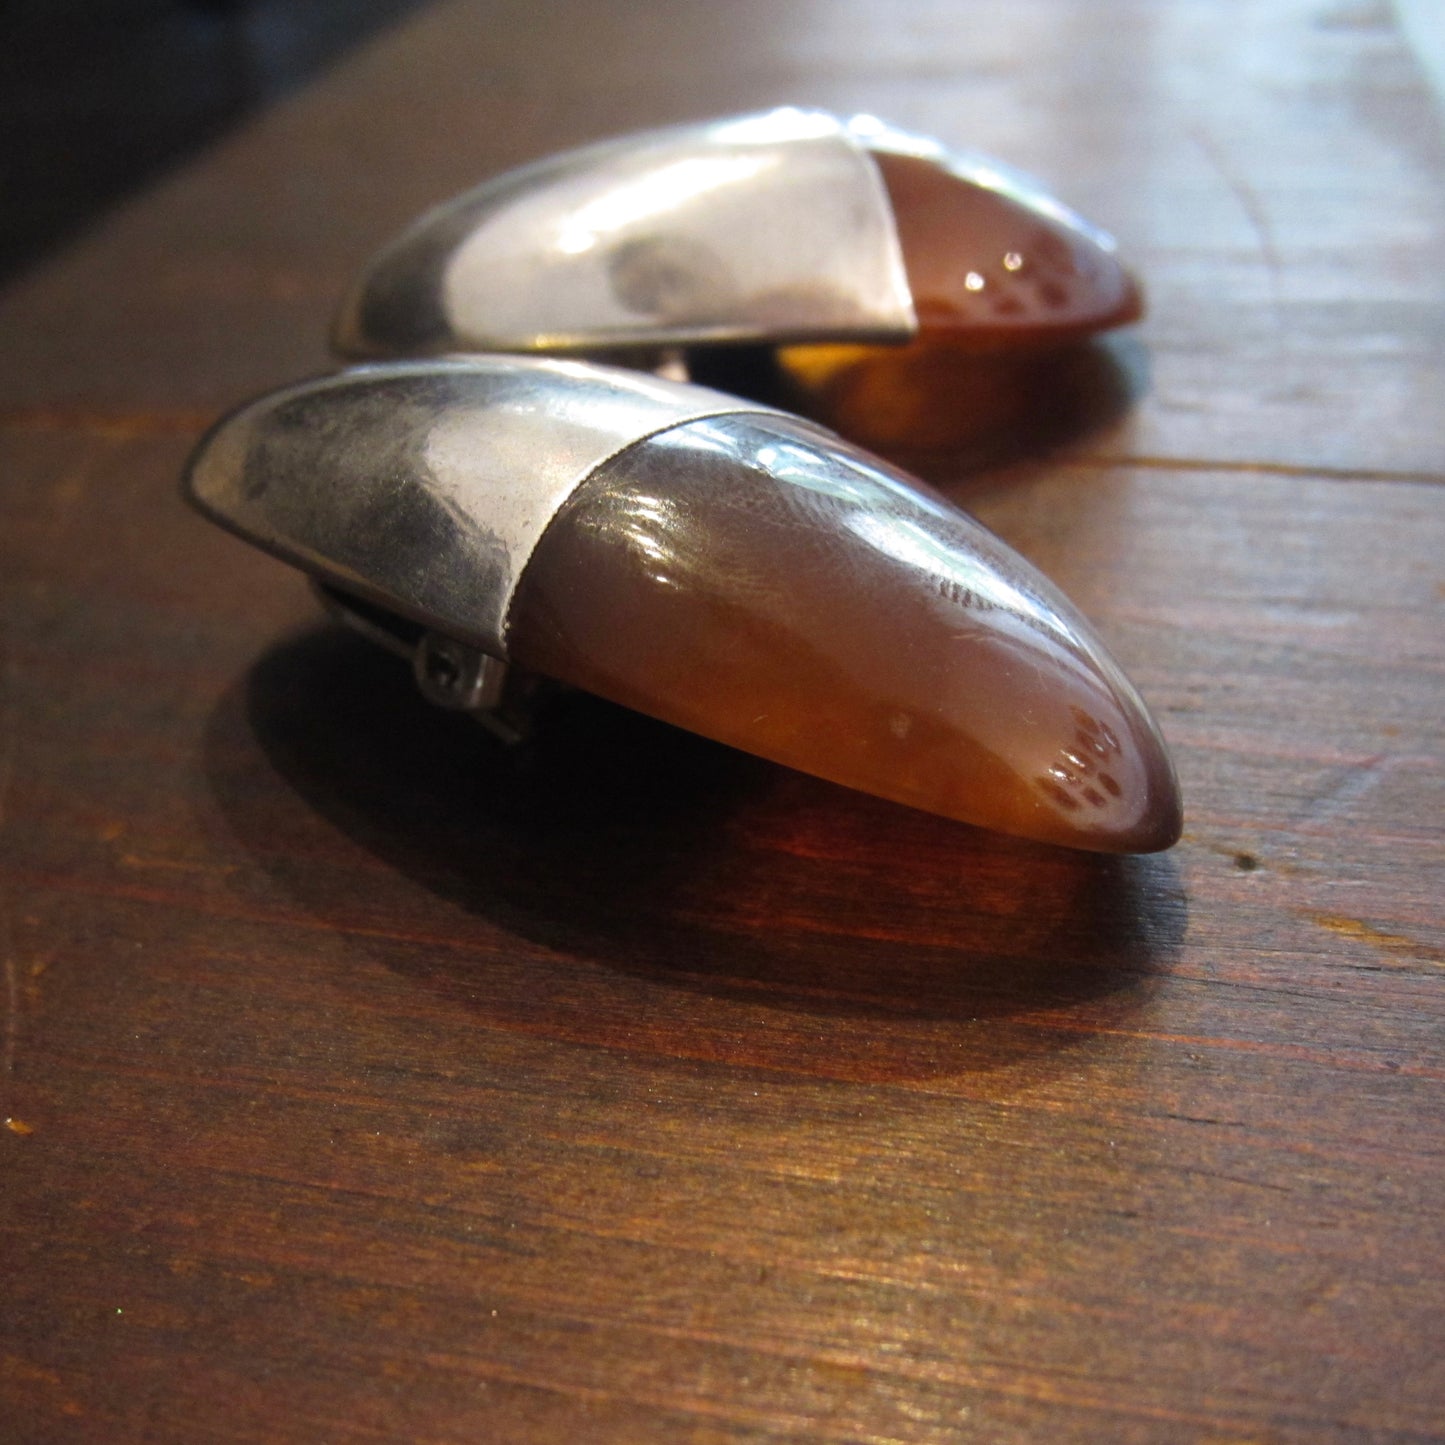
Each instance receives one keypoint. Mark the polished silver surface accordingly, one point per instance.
(423, 487)
(769, 227)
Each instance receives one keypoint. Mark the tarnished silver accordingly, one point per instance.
(772, 227)
(423, 487)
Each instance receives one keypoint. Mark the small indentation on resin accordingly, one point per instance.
(1058, 795)
(1101, 744)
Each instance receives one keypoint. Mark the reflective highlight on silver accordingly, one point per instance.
(759, 228)
(423, 487)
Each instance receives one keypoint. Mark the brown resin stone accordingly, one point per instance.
(756, 581)
(995, 268)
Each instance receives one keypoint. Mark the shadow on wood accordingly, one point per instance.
(618, 842)
(937, 408)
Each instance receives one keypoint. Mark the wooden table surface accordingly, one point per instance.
(360, 1084)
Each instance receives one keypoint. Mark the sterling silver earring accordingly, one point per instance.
(789, 226)
(504, 518)
(712, 563)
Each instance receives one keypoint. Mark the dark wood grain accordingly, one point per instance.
(362, 1082)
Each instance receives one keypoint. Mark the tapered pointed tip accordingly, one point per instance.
(999, 262)
(1099, 777)
(765, 585)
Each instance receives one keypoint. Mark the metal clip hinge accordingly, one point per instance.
(449, 673)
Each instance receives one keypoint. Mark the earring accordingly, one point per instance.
(716, 564)
(792, 226)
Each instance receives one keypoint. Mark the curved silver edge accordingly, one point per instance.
(768, 228)
(423, 487)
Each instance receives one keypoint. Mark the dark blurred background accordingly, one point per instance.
(99, 96)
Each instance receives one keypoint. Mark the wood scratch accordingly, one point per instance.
(1356, 782)
(12, 1001)
(1226, 466)
(114, 424)
(1397, 943)
(9, 728)
(1254, 213)
(177, 865)
(9, 711)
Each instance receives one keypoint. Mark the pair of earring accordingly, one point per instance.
(505, 507)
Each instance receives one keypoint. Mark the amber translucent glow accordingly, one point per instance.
(1001, 288)
(933, 395)
(757, 583)
(989, 267)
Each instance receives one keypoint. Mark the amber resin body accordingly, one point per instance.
(988, 268)
(818, 609)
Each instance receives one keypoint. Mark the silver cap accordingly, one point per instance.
(769, 227)
(423, 487)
